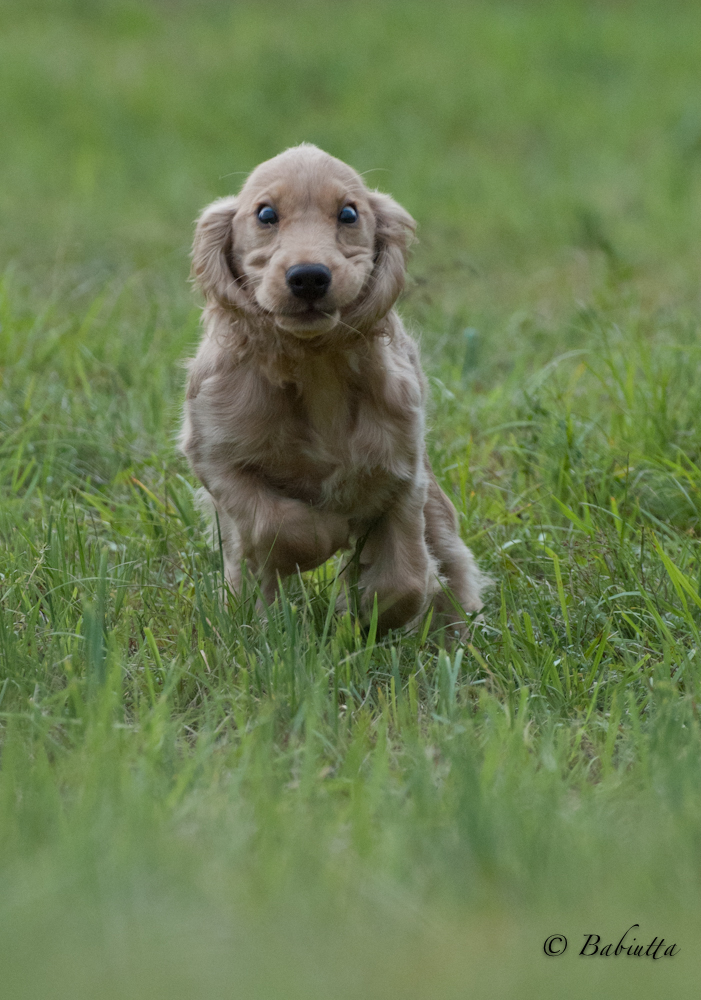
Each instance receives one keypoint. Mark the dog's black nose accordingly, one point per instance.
(308, 281)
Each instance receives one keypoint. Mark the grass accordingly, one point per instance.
(195, 803)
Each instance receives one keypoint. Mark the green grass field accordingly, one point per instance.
(196, 804)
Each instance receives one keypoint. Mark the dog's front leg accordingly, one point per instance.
(396, 564)
(274, 534)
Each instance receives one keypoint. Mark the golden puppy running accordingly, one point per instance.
(304, 417)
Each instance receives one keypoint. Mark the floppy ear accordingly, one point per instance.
(212, 264)
(394, 234)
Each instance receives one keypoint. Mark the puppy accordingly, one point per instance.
(304, 417)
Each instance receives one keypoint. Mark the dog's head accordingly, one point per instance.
(306, 244)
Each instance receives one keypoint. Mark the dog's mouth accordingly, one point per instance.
(309, 322)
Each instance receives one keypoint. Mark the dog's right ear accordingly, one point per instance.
(212, 259)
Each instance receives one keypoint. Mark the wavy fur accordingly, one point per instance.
(305, 422)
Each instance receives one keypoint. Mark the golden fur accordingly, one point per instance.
(304, 420)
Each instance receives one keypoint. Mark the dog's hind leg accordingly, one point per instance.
(224, 537)
(459, 573)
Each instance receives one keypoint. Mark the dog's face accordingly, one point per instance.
(306, 244)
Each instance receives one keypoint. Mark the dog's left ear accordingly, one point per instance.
(394, 234)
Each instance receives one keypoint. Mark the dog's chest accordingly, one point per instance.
(334, 441)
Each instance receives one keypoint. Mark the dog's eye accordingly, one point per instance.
(267, 215)
(348, 214)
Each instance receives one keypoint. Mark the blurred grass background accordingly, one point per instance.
(193, 803)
